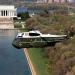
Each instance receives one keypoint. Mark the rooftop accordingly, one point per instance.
(5, 7)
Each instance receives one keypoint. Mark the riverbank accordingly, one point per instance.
(39, 60)
(29, 62)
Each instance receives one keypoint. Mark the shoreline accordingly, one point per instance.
(32, 69)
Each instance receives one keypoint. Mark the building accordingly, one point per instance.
(50, 1)
(59, 1)
(42, 1)
(7, 13)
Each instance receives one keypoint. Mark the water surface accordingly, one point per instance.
(12, 61)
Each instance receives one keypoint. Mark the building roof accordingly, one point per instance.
(6, 7)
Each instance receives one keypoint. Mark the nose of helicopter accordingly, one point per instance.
(15, 44)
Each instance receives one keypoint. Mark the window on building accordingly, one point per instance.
(6, 12)
(1, 13)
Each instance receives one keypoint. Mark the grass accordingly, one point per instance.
(17, 25)
(39, 60)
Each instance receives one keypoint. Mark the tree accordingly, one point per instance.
(24, 16)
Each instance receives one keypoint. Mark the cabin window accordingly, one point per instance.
(22, 34)
(34, 34)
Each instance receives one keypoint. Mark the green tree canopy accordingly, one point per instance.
(24, 16)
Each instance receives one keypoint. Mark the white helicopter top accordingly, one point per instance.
(36, 33)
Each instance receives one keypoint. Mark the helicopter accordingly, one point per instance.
(36, 39)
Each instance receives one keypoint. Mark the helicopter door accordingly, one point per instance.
(37, 42)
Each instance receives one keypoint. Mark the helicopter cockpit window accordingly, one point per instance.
(34, 34)
(21, 35)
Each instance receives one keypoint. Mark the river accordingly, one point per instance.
(12, 61)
